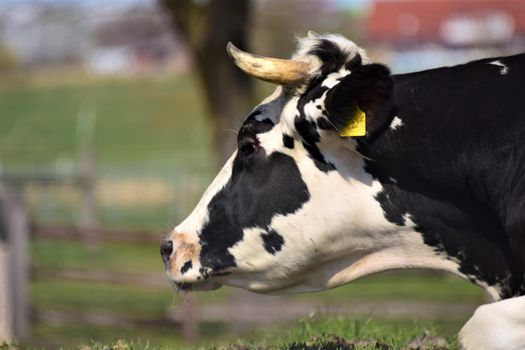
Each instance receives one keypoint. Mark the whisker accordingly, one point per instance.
(232, 130)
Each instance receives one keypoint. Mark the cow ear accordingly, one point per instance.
(362, 102)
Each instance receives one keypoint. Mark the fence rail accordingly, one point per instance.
(19, 180)
(143, 280)
(14, 257)
(68, 232)
(100, 318)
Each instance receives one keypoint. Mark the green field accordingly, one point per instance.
(155, 124)
(154, 129)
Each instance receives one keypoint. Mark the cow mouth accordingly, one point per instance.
(205, 285)
(206, 281)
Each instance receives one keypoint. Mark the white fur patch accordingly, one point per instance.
(332, 79)
(396, 123)
(504, 69)
(199, 216)
(308, 43)
(252, 256)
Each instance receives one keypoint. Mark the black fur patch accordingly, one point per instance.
(253, 114)
(308, 129)
(288, 141)
(454, 227)
(462, 186)
(355, 62)
(324, 124)
(371, 88)
(253, 127)
(187, 265)
(331, 56)
(273, 241)
(311, 136)
(318, 158)
(259, 188)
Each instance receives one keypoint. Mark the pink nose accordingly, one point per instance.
(166, 248)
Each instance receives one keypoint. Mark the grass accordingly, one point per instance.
(317, 330)
(309, 333)
(80, 336)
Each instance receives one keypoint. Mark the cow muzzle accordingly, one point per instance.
(180, 255)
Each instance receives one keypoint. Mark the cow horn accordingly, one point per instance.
(273, 70)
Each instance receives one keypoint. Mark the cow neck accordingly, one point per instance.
(427, 178)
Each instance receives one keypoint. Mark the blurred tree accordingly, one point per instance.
(277, 22)
(206, 27)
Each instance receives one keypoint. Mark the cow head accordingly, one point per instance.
(293, 209)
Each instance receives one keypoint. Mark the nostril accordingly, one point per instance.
(166, 248)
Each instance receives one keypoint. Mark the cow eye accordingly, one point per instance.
(248, 148)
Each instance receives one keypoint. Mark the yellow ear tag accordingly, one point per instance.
(356, 126)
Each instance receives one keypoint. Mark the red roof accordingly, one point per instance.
(431, 20)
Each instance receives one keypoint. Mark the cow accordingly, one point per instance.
(347, 170)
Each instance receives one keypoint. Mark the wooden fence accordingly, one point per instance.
(14, 237)
(16, 272)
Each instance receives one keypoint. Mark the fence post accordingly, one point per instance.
(88, 220)
(86, 120)
(15, 264)
(190, 304)
(6, 315)
(190, 322)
